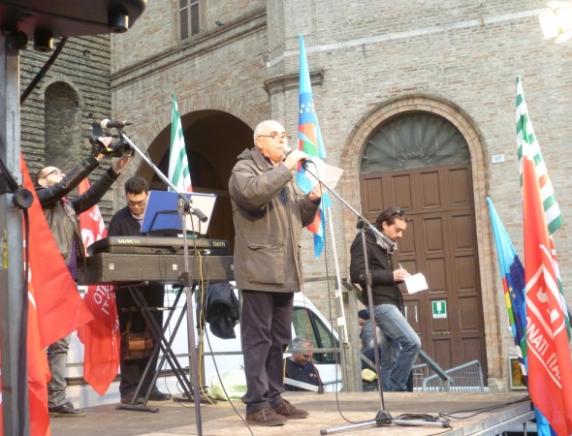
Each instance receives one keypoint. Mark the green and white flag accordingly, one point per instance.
(525, 134)
(179, 171)
(525, 137)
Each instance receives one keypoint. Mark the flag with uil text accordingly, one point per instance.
(179, 170)
(548, 351)
(310, 142)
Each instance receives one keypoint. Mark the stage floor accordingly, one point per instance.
(220, 420)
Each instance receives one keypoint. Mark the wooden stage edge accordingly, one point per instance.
(498, 412)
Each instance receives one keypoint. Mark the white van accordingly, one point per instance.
(306, 321)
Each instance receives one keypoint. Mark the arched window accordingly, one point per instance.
(62, 132)
(414, 140)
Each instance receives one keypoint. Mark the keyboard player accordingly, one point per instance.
(127, 222)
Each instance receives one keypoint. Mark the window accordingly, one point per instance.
(307, 324)
(414, 140)
(188, 18)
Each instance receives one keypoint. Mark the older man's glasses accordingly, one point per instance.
(277, 136)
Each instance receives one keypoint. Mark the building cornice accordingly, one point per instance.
(197, 46)
(286, 82)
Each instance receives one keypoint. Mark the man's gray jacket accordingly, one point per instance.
(269, 212)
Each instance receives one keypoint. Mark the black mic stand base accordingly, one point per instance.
(384, 419)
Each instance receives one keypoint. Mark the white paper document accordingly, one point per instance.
(416, 283)
(328, 174)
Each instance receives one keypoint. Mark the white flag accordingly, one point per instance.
(179, 171)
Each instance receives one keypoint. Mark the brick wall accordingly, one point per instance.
(456, 58)
(80, 78)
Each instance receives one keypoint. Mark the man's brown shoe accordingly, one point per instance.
(289, 411)
(266, 417)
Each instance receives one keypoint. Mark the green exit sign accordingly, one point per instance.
(439, 309)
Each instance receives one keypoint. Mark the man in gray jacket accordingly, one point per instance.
(269, 212)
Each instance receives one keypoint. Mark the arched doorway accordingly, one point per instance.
(213, 140)
(420, 161)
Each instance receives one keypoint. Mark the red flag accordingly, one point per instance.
(60, 308)
(1, 402)
(549, 360)
(38, 374)
(101, 336)
(38, 371)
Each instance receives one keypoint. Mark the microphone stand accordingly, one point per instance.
(185, 208)
(383, 417)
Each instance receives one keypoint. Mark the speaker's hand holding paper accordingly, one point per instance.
(416, 283)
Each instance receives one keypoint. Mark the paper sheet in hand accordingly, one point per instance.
(416, 283)
(328, 174)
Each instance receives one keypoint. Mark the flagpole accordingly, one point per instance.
(341, 320)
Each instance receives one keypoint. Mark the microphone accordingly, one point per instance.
(304, 161)
(287, 149)
(113, 124)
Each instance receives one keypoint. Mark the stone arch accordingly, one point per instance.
(351, 159)
(195, 103)
(187, 106)
(216, 130)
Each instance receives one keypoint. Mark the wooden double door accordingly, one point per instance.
(440, 241)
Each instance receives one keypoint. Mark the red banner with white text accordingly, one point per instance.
(101, 336)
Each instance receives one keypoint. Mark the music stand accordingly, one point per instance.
(161, 212)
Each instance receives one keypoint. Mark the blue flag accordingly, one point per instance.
(310, 142)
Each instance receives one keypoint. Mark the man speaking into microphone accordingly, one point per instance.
(269, 212)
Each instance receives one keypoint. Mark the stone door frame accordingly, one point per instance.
(350, 188)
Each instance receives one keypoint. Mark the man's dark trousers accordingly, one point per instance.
(266, 330)
(129, 313)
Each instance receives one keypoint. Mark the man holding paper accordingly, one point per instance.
(387, 298)
(269, 212)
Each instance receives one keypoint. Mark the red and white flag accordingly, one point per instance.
(101, 337)
(549, 357)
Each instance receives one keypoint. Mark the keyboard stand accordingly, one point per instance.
(163, 344)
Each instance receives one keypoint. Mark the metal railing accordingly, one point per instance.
(467, 377)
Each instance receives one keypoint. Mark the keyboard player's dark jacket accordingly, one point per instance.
(123, 224)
